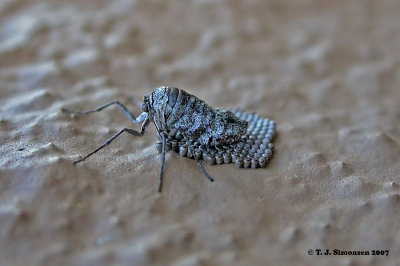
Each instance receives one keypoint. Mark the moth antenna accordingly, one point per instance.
(135, 101)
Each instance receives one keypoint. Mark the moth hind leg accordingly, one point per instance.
(160, 177)
(204, 171)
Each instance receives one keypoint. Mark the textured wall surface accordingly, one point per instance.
(326, 71)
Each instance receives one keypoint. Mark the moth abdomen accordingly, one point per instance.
(183, 112)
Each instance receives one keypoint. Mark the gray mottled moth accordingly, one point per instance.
(187, 125)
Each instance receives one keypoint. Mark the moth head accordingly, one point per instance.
(145, 104)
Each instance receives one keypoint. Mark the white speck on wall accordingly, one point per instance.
(16, 31)
(80, 57)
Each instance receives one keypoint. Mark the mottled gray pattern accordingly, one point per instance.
(252, 150)
(174, 110)
(191, 127)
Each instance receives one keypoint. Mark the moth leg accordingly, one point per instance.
(128, 113)
(108, 141)
(162, 162)
(203, 170)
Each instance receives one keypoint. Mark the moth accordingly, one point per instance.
(194, 129)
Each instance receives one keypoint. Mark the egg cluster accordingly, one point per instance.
(252, 151)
